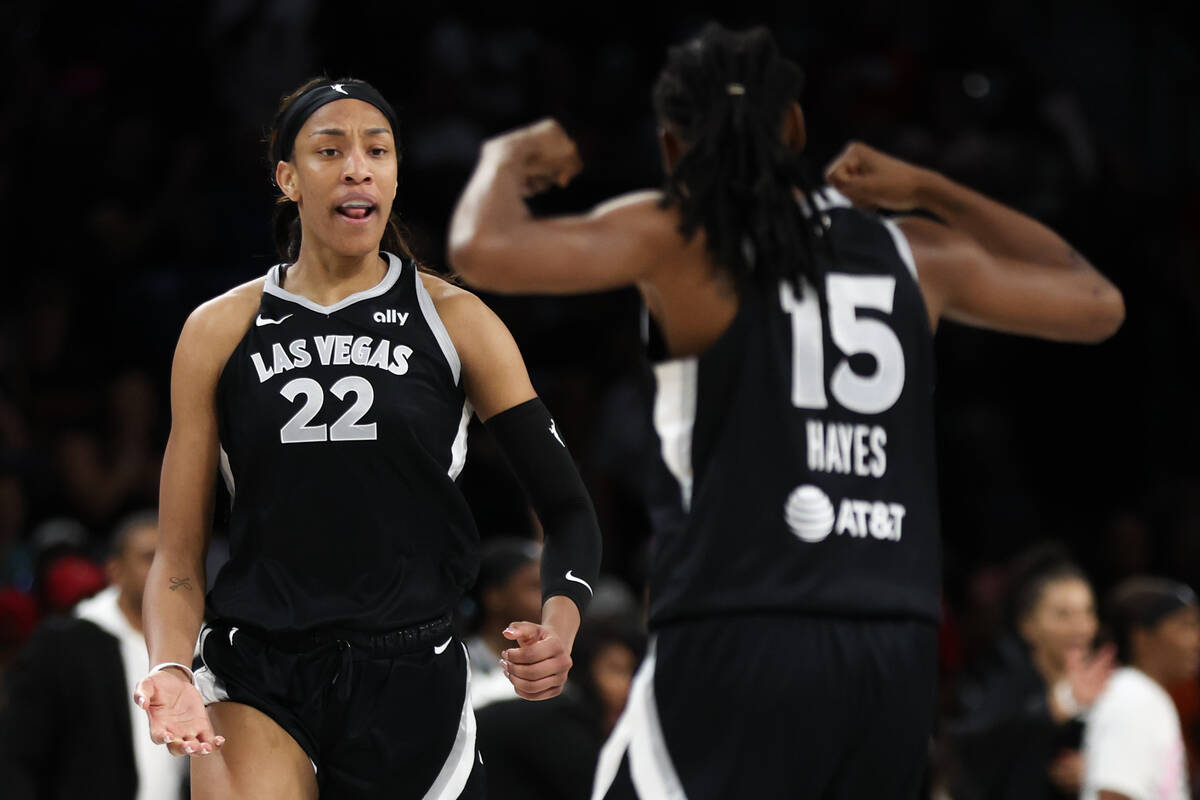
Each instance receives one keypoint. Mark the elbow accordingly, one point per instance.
(1109, 313)
(476, 260)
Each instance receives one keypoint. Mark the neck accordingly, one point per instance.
(1046, 667)
(132, 609)
(326, 277)
(1154, 671)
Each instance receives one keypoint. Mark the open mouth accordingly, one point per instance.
(356, 209)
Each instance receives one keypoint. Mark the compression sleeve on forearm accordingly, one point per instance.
(530, 439)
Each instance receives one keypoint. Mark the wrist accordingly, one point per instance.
(182, 670)
(561, 615)
(1064, 700)
(931, 189)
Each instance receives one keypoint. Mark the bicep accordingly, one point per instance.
(494, 373)
(963, 282)
(190, 461)
(606, 249)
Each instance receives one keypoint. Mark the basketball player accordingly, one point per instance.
(794, 601)
(333, 395)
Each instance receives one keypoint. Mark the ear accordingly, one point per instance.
(285, 179)
(795, 135)
(671, 147)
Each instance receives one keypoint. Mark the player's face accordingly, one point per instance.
(1062, 621)
(1178, 638)
(343, 177)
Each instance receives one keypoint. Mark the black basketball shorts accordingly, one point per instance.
(776, 706)
(378, 715)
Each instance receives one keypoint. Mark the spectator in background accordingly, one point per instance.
(548, 750)
(71, 728)
(1133, 748)
(508, 589)
(64, 572)
(116, 466)
(1015, 732)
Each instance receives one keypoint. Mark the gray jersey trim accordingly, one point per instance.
(453, 776)
(429, 310)
(675, 417)
(458, 449)
(272, 287)
(639, 730)
(902, 246)
(227, 473)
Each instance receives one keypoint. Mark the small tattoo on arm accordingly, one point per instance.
(181, 583)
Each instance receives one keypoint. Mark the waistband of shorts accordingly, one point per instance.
(380, 643)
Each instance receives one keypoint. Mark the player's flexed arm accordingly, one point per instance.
(173, 606)
(498, 387)
(988, 265)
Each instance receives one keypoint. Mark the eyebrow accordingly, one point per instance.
(340, 132)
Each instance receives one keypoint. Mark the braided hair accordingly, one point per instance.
(725, 94)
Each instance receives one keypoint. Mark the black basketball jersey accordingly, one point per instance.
(343, 429)
(801, 446)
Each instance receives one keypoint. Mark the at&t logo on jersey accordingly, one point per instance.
(810, 515)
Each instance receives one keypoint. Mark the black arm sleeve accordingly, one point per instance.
(571, 553)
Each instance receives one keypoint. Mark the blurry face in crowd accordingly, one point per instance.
(343, 176)
(612, 671)
(1064, 619)
(1173, 644)
(520, 597)
(128, 569)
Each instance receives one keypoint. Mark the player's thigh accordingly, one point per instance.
(259, 760)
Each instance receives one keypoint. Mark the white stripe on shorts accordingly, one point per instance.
(454, 774)
(640, 732)
(212, 689)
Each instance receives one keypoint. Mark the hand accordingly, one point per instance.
(537, 667)
(1066, 771)
(1088, 675)
(543, 152)
(177, 715)
(874, 179)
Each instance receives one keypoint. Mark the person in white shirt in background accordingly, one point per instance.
(74, 679)
(118, 611)
(1133, 745)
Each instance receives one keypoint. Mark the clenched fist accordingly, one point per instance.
(876, 180)
(543, 152)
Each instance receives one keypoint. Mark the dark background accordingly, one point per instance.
(134, 185)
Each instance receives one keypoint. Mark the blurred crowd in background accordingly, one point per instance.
(134, 185)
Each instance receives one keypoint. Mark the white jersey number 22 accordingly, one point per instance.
(844, 295)
(345, 429)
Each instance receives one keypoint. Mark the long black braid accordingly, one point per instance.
(725, 94)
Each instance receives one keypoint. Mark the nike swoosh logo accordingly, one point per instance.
(232, 631)
(586, 585)
(441, 648)
(260, 320)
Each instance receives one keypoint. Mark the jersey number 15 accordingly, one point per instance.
(852, 334)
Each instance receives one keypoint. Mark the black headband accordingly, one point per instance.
(1170, 599)
(293, 119)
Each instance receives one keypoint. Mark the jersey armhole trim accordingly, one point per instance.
(437, 327)
(902, 246)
